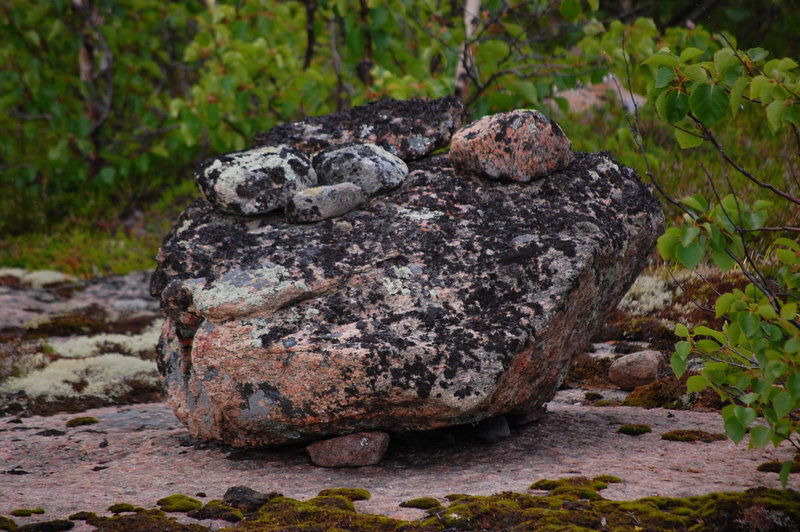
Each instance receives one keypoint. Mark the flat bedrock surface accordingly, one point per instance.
(149, 455)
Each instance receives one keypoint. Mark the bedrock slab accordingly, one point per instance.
(449, 301)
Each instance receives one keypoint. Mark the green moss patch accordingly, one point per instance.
(83, 516)
(671, 393)
(216, 509)
(606, 402)
(283, 513)
(634, 430)
(80, 421)
(570, 504)
(120, 507)
(144, 520)
(774, 466)
(55, 525)
(692, 436)
(423, 503)
(6, 523)
(179, 503)
(26, 512)
(333, 501)
(608, 479)
(354, 494)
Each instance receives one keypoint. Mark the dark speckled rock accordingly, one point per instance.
(255, 181)
(451, 300)
(318, 203)
(369, 166)
(409, 129)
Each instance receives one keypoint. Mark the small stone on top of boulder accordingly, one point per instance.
(367, 165)
(518, 145)
(319, 203)
(256, 181)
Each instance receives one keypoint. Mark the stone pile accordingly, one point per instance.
(419, 291)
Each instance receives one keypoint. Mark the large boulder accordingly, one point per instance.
(450, 300)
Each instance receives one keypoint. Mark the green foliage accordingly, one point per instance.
(698, 84)
(83, 93)
(106, 103)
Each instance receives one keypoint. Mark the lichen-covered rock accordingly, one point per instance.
(518, 145)
(318, 203)
(367, 165)
(255, 181)
(449, 301)
(360, 449)
(410, 129)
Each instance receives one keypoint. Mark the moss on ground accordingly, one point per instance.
(354, 494)
(80, 421)
(634, 430)
(423, 503)
(120, 507)
(55, 525)
(26, 512)
(179, 503)
(692, 436)
(217, 509)
(6, 523)
(571, 504)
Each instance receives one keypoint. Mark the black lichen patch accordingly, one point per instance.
(384, 119)
(692, 436)
(634, 430)
(353, 494)
(80, 421)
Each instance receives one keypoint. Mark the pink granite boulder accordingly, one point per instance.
(518, 145)
(448, 300)
(637, 369)
(360, 449)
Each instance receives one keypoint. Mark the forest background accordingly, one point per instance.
(106, 106)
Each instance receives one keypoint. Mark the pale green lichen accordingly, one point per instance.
(419, 214)
(102, 376)
(42, 278)
(648, 294)
(88, 346)
(261, 289)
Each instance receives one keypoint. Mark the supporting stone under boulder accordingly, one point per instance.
(449, 300)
